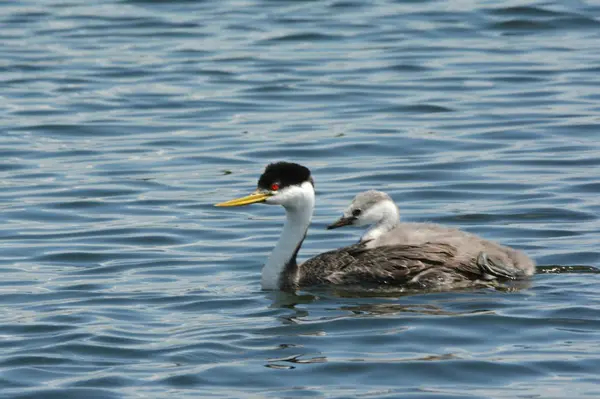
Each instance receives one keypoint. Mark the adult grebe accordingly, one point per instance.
(424, 266)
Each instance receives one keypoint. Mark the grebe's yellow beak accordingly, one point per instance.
(255, 197)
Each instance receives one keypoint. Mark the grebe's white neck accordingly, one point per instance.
(299, 203)
(385, 216)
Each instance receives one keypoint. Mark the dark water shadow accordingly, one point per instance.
(309, 295)
(558, 269)
(289, 300)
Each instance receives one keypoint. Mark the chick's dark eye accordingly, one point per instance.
(356, 212)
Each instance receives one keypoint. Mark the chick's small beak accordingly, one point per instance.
(255, 197)
(341, 222)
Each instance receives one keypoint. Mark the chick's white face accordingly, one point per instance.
(367, 216)
(368, 208)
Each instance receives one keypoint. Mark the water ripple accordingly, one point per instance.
(124, 121)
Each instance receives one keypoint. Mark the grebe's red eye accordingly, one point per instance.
(274, 187)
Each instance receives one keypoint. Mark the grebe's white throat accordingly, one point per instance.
(299, 203)
(291, 186)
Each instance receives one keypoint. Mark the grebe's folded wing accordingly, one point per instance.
(494, 267)
(428, 264)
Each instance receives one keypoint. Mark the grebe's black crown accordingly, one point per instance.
(284, 174)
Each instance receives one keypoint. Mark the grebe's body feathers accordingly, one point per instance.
(411, 266)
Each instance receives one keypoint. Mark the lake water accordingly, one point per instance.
(124, 121)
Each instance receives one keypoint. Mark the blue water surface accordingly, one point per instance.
(124, 121)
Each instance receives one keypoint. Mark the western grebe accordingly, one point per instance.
(377, 209)
(428, 265)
